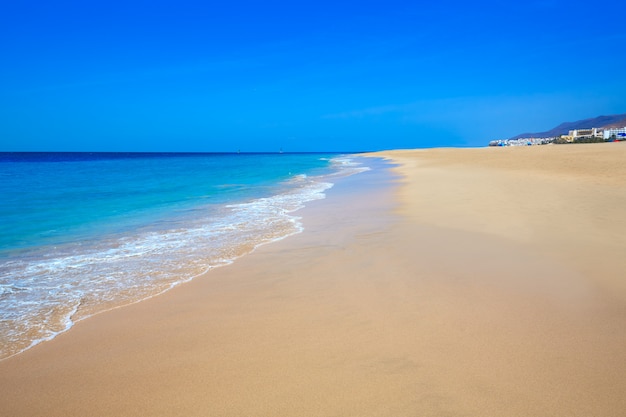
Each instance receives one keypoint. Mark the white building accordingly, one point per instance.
(619, 133)
(581, 133)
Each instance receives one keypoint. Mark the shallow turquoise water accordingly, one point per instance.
(82, 233)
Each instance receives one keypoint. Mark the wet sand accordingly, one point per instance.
(477, 282)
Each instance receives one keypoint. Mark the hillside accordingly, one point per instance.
(616, 120)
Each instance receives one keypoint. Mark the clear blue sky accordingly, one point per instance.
(222, 76)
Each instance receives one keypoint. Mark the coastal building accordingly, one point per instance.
(521, 142)
(575, 134)
(593, 134)
(585, 133)
(617, 133)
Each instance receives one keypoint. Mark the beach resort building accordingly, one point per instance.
(617, 133)
(593, 134)
(582, 133)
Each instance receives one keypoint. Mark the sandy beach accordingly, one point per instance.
(461, 282)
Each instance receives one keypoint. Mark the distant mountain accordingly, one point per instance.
(618, 124)
(616, 120)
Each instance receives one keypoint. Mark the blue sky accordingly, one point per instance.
(314, 76)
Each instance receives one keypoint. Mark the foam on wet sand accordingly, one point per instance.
(482, 282)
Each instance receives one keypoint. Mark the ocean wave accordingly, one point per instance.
(43, 293)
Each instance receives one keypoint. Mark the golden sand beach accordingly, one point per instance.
(472, 282)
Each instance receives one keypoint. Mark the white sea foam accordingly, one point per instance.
(43, 293)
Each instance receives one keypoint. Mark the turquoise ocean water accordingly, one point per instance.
(83, 233)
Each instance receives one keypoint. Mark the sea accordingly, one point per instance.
(83, 233)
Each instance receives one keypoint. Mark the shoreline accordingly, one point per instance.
(106, 270)
(440, 289)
